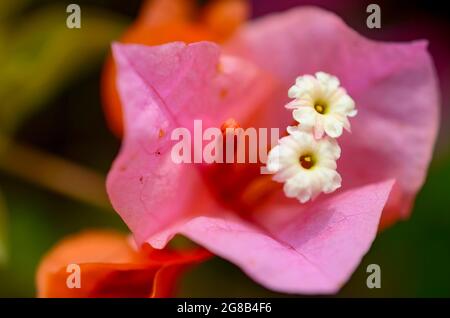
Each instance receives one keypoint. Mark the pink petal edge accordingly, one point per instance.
(315, 253)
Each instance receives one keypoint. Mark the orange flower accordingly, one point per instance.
(110, 267)
(162, 21)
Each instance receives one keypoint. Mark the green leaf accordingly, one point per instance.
(43, 55)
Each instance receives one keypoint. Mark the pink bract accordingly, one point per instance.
(285, 246)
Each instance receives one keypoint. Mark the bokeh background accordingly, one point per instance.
(56, 148)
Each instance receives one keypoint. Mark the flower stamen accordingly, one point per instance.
(307, 161)
(319, 108)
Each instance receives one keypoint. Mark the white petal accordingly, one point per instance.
(294, 92)
(333, 180)
(329, 148)
(333, 127)
(273, 159)
(294, 104)
(344, 105)
(319, 128)
(331, 82)
(287, 172)
(306, 116)
(291, 189)
(352, 113)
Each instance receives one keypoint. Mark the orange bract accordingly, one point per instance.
(110, 267)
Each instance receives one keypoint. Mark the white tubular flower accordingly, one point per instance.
(320, 104)
(306, 165)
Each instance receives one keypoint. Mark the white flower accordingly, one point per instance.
(306, 165)
(320, 104)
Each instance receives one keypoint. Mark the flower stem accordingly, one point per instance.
(53, 173)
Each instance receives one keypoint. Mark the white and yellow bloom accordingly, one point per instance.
(306, 165)
(321, 105)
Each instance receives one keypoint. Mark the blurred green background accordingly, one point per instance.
(51, 120)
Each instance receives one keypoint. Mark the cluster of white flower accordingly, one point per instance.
(305, 159)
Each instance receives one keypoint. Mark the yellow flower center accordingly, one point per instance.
(320, 107)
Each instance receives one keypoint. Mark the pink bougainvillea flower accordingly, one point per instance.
(233, 210)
